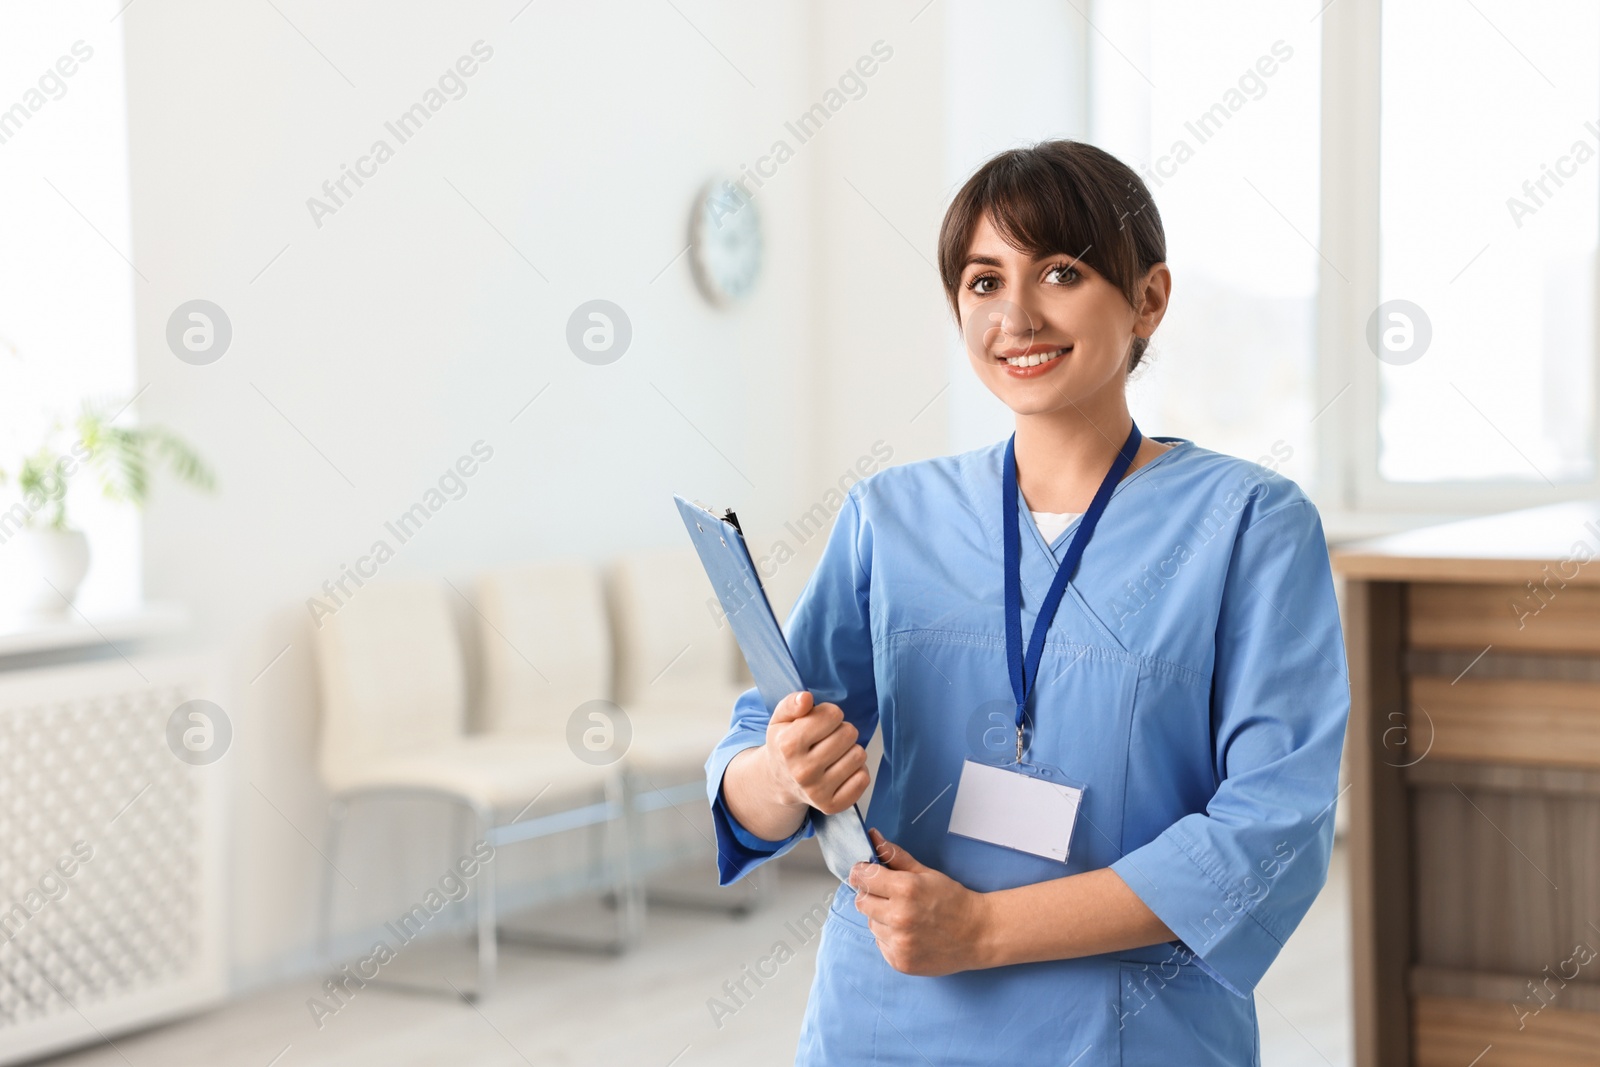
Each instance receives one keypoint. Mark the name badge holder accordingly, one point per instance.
(1023, 803)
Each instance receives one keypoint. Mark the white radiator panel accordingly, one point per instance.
(110, 855)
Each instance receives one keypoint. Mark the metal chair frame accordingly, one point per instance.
(614, 814)
(763, 882)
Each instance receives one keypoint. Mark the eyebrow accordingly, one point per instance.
(991, 261)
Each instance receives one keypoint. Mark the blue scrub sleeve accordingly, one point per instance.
(1233, 882)
(830, 636)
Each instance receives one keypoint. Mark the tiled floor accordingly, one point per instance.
(651, 1007)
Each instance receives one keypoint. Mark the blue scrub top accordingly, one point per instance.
(1193, 680)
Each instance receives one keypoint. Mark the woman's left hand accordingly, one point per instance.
(925, 922)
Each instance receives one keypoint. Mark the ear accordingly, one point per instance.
(1155, 294)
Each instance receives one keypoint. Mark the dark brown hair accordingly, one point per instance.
(1060, 197)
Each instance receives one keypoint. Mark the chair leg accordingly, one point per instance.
(488, 946)
(758, 887)
(626, 892)
(464, 820)
(330, 844)
(595, 850)
(625, 878)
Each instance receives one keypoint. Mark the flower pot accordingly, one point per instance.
(43, 569)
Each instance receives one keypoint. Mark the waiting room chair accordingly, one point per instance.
(677, 678)
(545, 648)
(393, 725)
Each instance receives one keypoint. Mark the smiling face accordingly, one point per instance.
(1047, 332)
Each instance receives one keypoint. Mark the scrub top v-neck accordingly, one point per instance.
(1052, 524)
(1192, 677)
(1053, 547)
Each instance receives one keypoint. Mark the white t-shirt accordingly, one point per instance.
(1052, 523)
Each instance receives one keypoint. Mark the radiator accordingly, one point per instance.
(110, 855)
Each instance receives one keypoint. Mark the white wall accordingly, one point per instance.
(880, 193)
(376, 349)
(1016, 75)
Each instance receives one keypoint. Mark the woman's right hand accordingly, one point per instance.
(812, 755)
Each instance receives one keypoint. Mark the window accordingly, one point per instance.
(1383, 221)
(66, 284)
(1218, 107)
(1489, 187)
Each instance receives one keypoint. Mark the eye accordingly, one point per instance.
(1056, 274)
(983, 284)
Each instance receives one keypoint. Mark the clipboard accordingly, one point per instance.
(720, 544)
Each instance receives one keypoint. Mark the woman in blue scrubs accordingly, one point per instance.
(1110, 756)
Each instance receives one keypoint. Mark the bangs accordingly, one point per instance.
(1057, 198)
(1039, 213)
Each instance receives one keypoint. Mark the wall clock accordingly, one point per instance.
(724, 242)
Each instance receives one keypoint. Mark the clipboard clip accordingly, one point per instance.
(726, 515)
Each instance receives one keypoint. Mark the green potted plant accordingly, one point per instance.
(50, 557)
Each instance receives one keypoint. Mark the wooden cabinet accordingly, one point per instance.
(1475, 791)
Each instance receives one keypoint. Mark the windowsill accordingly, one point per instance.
(25, 636)
(1342, 527)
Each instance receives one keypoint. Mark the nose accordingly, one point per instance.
(1013, 325)
(1027, 315)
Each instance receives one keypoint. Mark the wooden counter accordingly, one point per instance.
(1475, 790)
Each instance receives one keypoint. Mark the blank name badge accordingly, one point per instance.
(1006, 807)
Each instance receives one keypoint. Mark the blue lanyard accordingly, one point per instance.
(1024, 673)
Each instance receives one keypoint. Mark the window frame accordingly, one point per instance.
(1347, 373)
